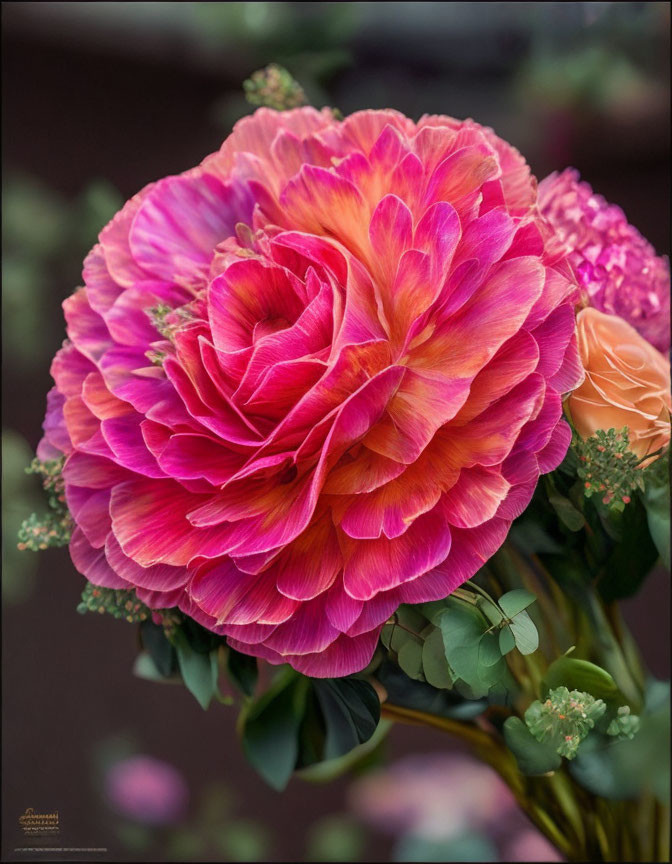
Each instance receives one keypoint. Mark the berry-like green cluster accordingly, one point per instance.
(608, 467)
(120, 603)
(624, 724)
(54, 528)
(274, 87)
(564, 718)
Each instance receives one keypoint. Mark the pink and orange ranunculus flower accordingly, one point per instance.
(314, 378)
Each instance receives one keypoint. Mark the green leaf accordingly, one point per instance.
(488, 649)
(524, 633)
(434, 664)
(515, 601)
(657, 503)
(491, 612)
(199, 671)
(271, 728)
(567, 512)
(159, 648)
(242, 671)
(632, 557)
(405, 692)
(582, 675)
(410, 658)
(507, 641)
(145, 667)
(364, 754)
(533, 757)
(351, 710)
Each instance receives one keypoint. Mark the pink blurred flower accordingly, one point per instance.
(617, 268)
(147, 790)
(530, 845)
(359, 339)
(436, 796)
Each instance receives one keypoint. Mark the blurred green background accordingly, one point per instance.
(101, 98)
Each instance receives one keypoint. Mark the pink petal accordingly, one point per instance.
(92, 563)
(378, 565)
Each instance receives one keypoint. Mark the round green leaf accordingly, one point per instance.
(515, 601)
(410, 658)
(524, 633)
(488, 649)
(506, 640)
(434, 664)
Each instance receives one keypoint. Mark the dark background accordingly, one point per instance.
(101, 98)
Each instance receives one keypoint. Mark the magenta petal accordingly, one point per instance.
(341, 609)
(90, 509)
(233, 597)
(91, 562)
(390, 233)
(86, 328)
(149, 519)
(475, 497)
(345, 656)
(306, 632)
(553, 337)
(158, 578)
(180, 222)
(470, 549)
(438, 233)
(379, 565)
(310, 564)
(555, 450)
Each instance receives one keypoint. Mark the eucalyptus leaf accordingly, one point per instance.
(525, 633)
(410, 658)
(488, 649)
(507, 641)
(491, 612)
(533, 757)
(406, 693)
(515, 601)
(434, 664)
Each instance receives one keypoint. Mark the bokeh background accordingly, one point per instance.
(98, 100)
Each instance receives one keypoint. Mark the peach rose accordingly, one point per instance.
(627, 383)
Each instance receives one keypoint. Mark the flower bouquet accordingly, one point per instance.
(360, 426)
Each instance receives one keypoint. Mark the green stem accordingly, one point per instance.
(611, 653)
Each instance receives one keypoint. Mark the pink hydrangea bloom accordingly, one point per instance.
(147, 790)
(617, 268)
(354, 390)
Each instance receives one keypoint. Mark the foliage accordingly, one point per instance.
(275, 88)
(119, 603)
(300, 721)
(55, 527)
(608, 467)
